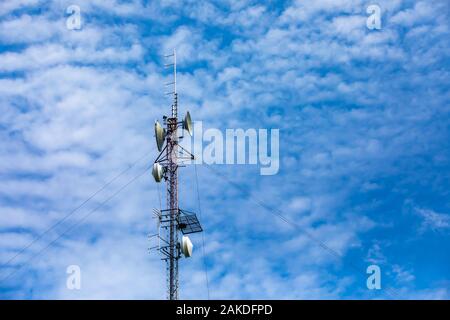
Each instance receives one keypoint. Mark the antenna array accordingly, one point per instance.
(172, 220)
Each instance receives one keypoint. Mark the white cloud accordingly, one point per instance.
(300, 204)
(421, 13)
(402, 275)
(41, 56)
(28, 29)
(11, 5)
(433, 220)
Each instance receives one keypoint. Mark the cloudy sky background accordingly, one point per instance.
(364, 146)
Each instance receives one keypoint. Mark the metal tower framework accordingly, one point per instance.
(173, 220)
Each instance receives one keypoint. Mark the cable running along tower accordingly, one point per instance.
(172, 220)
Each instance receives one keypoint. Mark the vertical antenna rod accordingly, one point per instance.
(175, 97)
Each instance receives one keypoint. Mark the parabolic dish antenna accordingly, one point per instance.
(186, 246)
(157, 172)
(187, 123)
(160, 135)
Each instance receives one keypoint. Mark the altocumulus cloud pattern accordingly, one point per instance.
(364, 145)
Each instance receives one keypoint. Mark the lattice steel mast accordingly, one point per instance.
(173, 220)
(172, 187)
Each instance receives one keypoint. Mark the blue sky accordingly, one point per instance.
(364, 146)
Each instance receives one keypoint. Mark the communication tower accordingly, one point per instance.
(173, 221)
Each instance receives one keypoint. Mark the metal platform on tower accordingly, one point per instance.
(188, 222)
